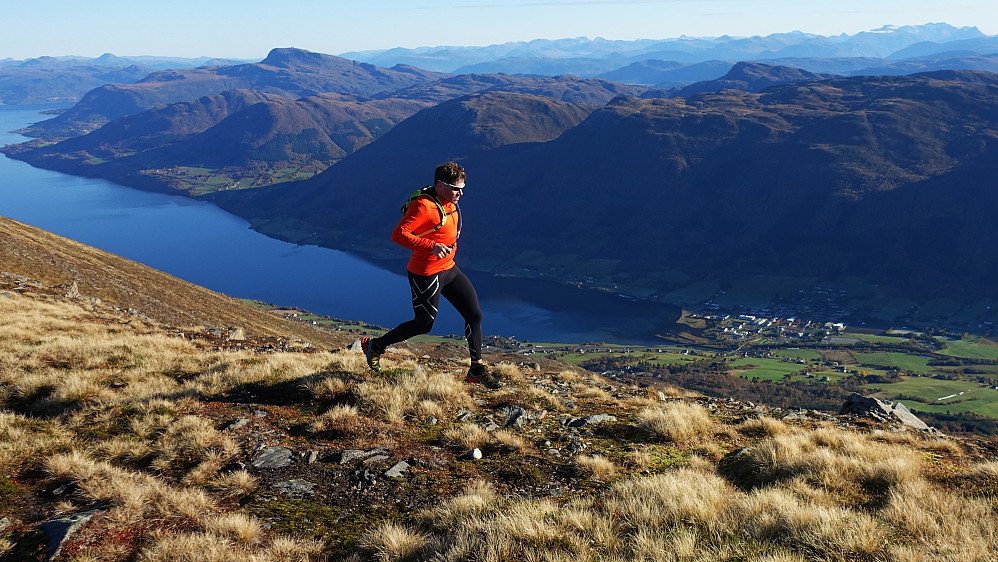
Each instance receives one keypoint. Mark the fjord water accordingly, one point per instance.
(199, 242)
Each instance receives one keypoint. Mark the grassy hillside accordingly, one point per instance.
(171, 447)
(56, 261)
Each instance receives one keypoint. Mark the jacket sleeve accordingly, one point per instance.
(417, 218)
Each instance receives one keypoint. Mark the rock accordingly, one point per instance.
(355, 346)
(73, 292)
(260, 413)
(464, 415)
(859, 405)
(398, 470)
(661, 396)
(588, 420)
(537, 415)
(432, 420)
(235, 424)
(295, 488)
(491, 426)
(311, 457)
(376, 458)
(513, 416)
(59, 529)
(349, 455)
(274, 457)
(5, 523)
(473, 455)
(237, 334)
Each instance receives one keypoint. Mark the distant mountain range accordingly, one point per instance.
(586, 57)
(46, 80)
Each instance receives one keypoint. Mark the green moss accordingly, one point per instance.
(339, 527)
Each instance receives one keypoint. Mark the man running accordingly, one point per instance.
(430, 228)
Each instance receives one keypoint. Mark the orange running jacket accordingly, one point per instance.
(422, 215)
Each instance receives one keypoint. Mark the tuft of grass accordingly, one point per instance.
(392, 542)
(763, 426)
(596, 466)
(680, 422)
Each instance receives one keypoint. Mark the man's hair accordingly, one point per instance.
(449, 172)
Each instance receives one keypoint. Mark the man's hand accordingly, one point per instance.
(440, 250)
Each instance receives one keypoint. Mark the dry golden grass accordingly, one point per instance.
(848, 463)
(392, 542)
(406, 394)
(595, 466)
(507, 371)
(763, 426)
(466, 436)
(681, 422)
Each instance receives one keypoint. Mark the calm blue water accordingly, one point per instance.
(200, 243)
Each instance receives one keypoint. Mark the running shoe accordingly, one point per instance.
(373, 358)
(479, 373)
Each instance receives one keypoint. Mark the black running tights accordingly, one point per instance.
(426, 291)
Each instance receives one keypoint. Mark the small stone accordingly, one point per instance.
(295, 488)
(554, 452)
(474, 454)
(312, 457)
(491, 426)
(274, 457)
(260, 413)
(59, 529)
(513, 416)
(349, 455)
(398, 470)
(432, 420)
(464, 415)
(588, 420)
(376, 458)
(235, 424)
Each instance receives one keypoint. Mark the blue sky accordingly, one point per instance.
(248, 29)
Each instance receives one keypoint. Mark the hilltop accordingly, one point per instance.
(143, 442)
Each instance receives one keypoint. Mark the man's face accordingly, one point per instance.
(450, 192)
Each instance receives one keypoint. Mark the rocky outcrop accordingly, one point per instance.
(881, 410)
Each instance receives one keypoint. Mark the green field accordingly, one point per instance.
(766, 369)
(970, 348)
(888, 359)
(874, 338)
(926, 388)
(795, 354)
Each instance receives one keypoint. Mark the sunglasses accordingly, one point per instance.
(454, 187)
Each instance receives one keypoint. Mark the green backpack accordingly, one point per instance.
(432, 194)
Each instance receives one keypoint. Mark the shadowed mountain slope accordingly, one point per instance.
(56, 261)
(890, 179)
(455, 129)
(750, 77)
(250, 138)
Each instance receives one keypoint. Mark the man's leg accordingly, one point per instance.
(425, 292)
(458, 290)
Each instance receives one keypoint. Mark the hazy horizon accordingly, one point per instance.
(248, 30)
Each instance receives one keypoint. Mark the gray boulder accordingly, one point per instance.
(881, 410)
(274, 457)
